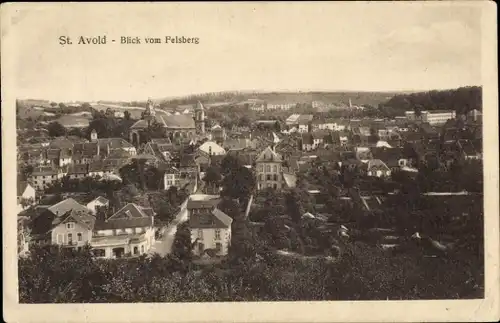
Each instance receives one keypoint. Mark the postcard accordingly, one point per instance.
(250, 161)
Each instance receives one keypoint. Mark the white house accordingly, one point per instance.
(43, 176)
(280, 106)
(212, 148)
(210, 230)
(292, 119)
(130, 231)
(171, 178)
(97, 202)
(26, 195)
(302, 128)
(327, 125)
(432, 117)
(303, 122)
(376, 167)
(72, 229)
(344, 140)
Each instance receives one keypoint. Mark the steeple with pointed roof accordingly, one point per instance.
(199, 118)
(150, 112)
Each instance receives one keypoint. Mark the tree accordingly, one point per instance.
(293, 206)
(241, 245)
(109, 113)
(77, 132)
(126, 115)
(230, 164)
(239, 184)
(182, 247)
(212, 176)
(56, 129)
(62, 105)
(418, 111)
(277, 126)
(53, 104)
(86, 106)
(26, 171)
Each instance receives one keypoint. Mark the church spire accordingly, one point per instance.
(150, 109)
(199, 118)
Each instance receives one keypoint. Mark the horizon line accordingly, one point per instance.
(257, 91)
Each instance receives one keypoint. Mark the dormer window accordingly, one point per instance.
(70, 225)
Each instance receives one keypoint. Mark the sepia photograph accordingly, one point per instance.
(258, 154)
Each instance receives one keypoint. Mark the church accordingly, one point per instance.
(175, 126)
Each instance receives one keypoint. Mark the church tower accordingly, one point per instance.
(149, 113)
(199, 118)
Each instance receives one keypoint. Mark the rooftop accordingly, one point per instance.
(67, 205)
(213, 219)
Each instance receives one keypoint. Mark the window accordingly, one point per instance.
(268, 177)
(261, 177)
(142, 249)
(274, 169)
(70, 238)
(200, 234)
(218, 247)
(275, 177)
(70, 225)
(136, 250)
(261, 168)
(217, 234)
(59, 239)
(268, 168)
(79, 236)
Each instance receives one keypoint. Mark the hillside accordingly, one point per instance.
(357, 98)
(462, 100)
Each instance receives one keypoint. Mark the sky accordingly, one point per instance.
(243, 46)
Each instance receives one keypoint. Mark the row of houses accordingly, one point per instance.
(128, 232)
(63, 151)
(69, 224)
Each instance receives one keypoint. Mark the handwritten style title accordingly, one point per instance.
(127, 40)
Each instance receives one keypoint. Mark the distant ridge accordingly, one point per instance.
(372, 98)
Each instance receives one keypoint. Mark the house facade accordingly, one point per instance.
(269, 169)
(43, 176)
(377, 168)
(128, 232)
(171, 178)
(97, 203)
(26, 195)
(210, 230)
(432, 117)
(280, 106)
(73, 229)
